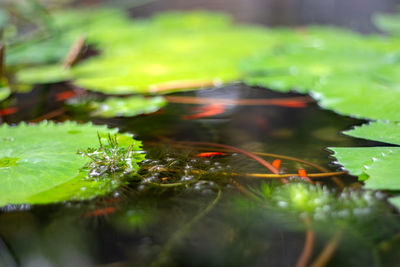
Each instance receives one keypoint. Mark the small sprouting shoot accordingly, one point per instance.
(111, 161)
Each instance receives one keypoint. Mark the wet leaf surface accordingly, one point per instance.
(378, 163)
(40, 164)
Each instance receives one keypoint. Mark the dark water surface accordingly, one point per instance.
(207, 224)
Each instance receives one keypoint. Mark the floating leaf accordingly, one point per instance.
(386, 132)
(380, 164)
(39, 163)
(4, 92)
(45, 74)
(361, 82)
(388, 23)
(354, 159)
(383, 171)
(150, 55)
(395, 201)
(127, 107)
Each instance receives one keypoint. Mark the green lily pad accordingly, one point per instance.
(361, 82)
(45, 74)
(39, 163)
(4, 92)
(52, 46)
(127, 107)
(395, 201)
(379, 164)
(383, 171)
(355, 159)
(382, 131)
(150, 55)
(388, 23)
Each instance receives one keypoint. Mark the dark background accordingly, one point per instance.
(354, 14)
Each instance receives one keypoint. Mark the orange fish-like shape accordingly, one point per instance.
(210, 154)
(8, 111)
(65, 95)
(99, 212)
(206, 111)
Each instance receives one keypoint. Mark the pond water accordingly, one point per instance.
(210, 222)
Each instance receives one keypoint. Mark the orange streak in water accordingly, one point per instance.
(206, 111)
(99, 212)
(210, 154)
(65, 95)
(8, 111)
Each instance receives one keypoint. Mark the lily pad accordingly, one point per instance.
(378, 164)
(150, 55)
(361, 82)
(127, 107)
(356, 159)
(39, 163)
(386, 132)
(388, 23)
(4, 92)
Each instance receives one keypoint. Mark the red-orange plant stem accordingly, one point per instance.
(287, 175)
(244, 152)
(327, 252)
(50, 115)
(338, 182)
(308, 246)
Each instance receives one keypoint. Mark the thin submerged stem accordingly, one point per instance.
(262, 175)
(338, 182)
(168, 185)
(177, 236)
(328, 251)
(50, 115)
(308, 245)
(244, 152)
(244, 191)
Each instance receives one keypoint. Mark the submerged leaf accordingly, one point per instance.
(127, 107)
(39, 163)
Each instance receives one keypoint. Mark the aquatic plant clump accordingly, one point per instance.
(319, 203)
(186, 171)
(111, 161)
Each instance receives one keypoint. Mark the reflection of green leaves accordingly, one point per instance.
(380, 164)
(45, 166)
(136, 218)
(361, 81)
(127, 107)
